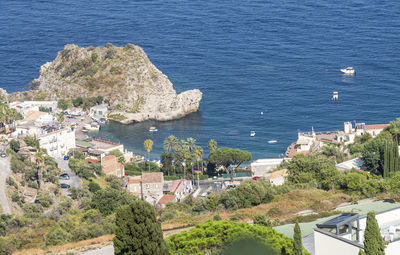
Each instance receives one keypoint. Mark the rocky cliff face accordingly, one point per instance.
(124, 76)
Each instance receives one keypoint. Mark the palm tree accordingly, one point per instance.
(39, 157)
(198, 152)
(212, 145)
(148, 146)
(171, 143)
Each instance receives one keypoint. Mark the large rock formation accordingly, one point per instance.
(124, 76)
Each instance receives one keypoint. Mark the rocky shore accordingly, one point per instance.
(130, 84)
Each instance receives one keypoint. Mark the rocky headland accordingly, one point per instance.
(130, 84)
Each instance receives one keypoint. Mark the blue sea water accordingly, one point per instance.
(277, 57)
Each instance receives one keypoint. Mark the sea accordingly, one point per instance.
(266, 66)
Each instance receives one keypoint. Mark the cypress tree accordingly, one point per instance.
(297, 244)
(385, 161)
(137, 231)
(373, 242)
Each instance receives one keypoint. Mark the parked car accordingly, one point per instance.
(64, 176)
(3, 155)
(66, 157)
(65, 186)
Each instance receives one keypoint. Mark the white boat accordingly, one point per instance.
(335, 96)
(348, 70)
(153, 129)
(272, 141)
(252, 133)
(92, 127)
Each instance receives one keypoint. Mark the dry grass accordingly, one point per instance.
(288, 204)
(70, 247)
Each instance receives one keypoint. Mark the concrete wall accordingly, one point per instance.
(328, 245)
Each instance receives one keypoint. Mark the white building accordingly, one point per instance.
(24, 107)
(261, 167)
(99, 111)
(344, 234)
(58, 142)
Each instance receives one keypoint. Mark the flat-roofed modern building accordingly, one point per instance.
(344, 234)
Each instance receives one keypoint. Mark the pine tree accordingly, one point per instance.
(137, 231)
(373, 242)
(297, 244)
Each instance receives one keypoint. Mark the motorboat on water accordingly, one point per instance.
(92, 127)
(335, 96)
(153, 129)
(348, 70)
(272, 141)
(252, 133)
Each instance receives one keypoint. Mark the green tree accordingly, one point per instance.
(226, 157)
(170, 143)
(297, 244)
(60, 117)
(138, 231)
(77, 101)
(166, 161)
(63, 104)
(361, 252)
(212, 145)
(373, 242)
(247, 245)
(15, 145)
(107, 200)
(148, 146)
(57, 236)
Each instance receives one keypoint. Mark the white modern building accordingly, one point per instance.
(58, 142)
(99, 111)
(344, 234)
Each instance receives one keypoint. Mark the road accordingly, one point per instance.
(74, 180)
(5, 171)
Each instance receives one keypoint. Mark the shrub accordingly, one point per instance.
(94, 187)
(261, 219)
(57, 236)
(168, 215)
(209, 237)
(15, 145)
(108, 200)
(32, 210)
(217, 217)
(45, 199)
(274, 212)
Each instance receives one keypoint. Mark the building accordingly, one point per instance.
(277, 178)
(99, 111)
(106, 146)
(374, 130)
(150, 185)
(57, 142)
(261, 167)
(181, 189)
(26, 106)
(355, 163)
(344, 234)
(111, 166)
(165, 200)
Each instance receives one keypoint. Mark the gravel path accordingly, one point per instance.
(5, 171)
(106, 250)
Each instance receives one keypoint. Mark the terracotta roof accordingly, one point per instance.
(166, 199)
(279, 173)
(175, 185)
(376, 126)
(292, 151)
(109, 159)
(90, 160)
(134, 179)
(153, 177)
